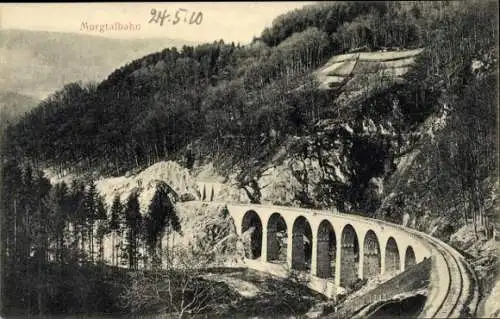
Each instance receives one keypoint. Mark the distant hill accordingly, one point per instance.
(13, 105)
(36, 63)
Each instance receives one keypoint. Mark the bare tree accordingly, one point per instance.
(179, 290)
(248, 180)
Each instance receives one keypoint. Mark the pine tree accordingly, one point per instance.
(204, 196)
(115, 226)
(76, 216)
(102, 227)
(122, 252)
(90, 212)
(10, 204)
(133, 222)
(101, 231)
(39, 227)
(27, 212)
(9, 209)
(161, 216)
(57, 204)
(212, 194)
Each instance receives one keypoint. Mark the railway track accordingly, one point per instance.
(461, 291)
(455, 287)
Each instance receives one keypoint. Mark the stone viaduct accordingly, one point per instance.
(334, 250)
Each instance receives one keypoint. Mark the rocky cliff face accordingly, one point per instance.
(345, 160)
(378, 153)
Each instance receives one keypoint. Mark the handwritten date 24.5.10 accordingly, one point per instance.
(180, 15)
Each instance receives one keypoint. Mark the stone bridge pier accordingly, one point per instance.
(334, 249)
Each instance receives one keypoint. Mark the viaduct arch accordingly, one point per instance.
(335, 250)
(329, 246)
(251, 226)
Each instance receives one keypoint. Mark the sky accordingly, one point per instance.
(231, 21)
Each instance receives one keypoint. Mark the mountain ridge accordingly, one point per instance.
(83, 34)
(57, 58)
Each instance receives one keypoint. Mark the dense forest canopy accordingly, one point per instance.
(230, 96)
(240, 106)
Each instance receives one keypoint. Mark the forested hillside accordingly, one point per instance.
(217, 92)
(422, 146)
(242, 105)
